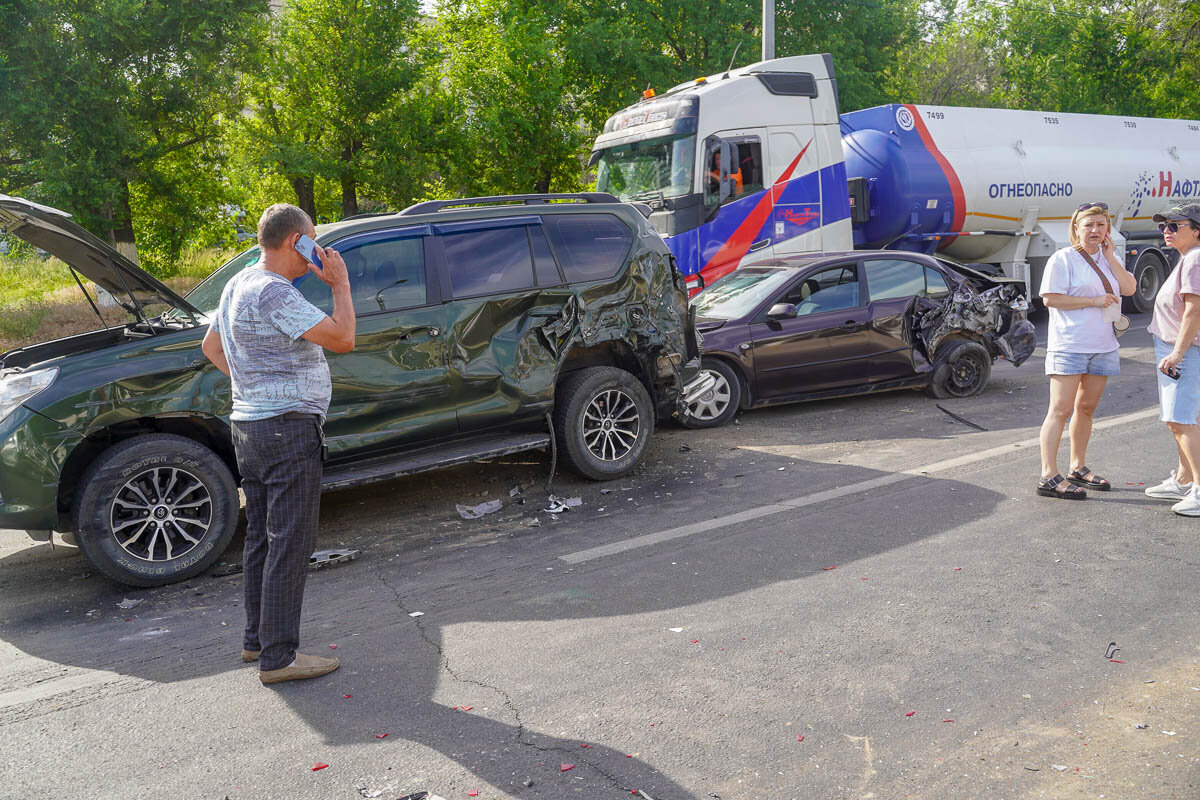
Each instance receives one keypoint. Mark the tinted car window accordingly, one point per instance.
(892, 278)
(543, 259)
(488, 261)
(935, 283)
(386, 275)
(589, 246)
(829, 289)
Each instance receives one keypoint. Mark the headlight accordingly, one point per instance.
(20, 386)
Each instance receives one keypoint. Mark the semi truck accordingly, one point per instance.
(756, 163)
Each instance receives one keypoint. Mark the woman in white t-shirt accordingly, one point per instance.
(1081, 348)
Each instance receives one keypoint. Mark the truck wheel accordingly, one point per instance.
(603, 421)
(961, 370)
(718, 405)
(1149, 271)
(156, 509)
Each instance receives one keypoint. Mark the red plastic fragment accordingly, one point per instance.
(381, 736)
(947, 720)
(651, 724)
(909, 714)
(1116, 661)
(695, 641)
(629, 755)
(585, 745)
(800, 737)
(347, 696)
(473, 793)
(958, 569)
(828, 568)
(318, 766)
(862, 579)
(467, 708)
(333, 647)
(566, 767)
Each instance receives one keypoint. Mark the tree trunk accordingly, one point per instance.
(305, 196)
(349, 183)
(542, 184)
(120, 232)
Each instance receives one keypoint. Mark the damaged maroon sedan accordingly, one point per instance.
(838, 324)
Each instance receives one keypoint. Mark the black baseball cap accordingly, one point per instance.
(1189, 212)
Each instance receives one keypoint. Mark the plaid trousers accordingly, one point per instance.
(280, 462)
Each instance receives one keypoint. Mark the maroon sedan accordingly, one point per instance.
(836, 324)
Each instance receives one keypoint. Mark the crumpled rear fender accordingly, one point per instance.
(995, 317)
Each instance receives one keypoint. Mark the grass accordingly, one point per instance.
(39, 300)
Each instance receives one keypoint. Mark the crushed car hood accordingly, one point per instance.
(53, 231)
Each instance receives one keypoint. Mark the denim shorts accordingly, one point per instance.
(1180, 399)
(1060, 363)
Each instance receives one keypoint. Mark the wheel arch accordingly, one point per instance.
(607, 354)
(210, 431)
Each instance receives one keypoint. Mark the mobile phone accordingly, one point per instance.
(309, 249)
(1173, 374)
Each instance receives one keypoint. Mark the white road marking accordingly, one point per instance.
(945, 465)
(50, 688)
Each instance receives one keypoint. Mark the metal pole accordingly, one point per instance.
(768, 30)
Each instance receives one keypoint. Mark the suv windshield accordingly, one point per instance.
(648, 167)
(207, 296)
(739, 292)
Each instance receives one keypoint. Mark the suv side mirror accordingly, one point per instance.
(783, 311)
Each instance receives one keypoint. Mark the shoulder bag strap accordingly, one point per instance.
(1107, 286)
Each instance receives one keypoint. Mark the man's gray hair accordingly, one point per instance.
(278, 222)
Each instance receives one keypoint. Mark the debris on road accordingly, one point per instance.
(365, 792)
(534, 523)
(416, 613)
(675, 630)
(1112, 650)
(329, 558)
(93, 612)
(515, 491)
(566, 767)
(963, 420)
(910, 713)
(799, 737)
(226, 569)
(319, 766)
(481, 510)
(1059, 767)
(381, 735)
(683, 448)
(1169, 733)
(333, 647)
(1141, 725)
(131, 602)
(560, 504)
(419, 796)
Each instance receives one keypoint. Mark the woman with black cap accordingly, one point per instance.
(1176, 330)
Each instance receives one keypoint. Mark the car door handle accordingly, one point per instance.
(433, 332)
(850, 325)
(759, 245)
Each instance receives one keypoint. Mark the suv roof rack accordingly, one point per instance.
(367, 215)
(429, 206)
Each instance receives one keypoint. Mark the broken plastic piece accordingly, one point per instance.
(828, 568)
(483, 509)
(365, 792)
(675, 630)
(1059, 767)
(1111, 650)
(416, 613)
(909, 714)
(328, 558)
(566, 767)
(513, 492)
(947, 720)
(333, 647)
(347, 696)
(319, 766)
(1141, 725)
(416, 796)
(473, 793)
(381, 736)
(1115, 661)
(799, 737)
(560, 504)
(130, 602)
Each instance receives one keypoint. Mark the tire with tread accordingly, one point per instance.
(583, 402)
(962, 369)
(726, 398)
(156, 476)
(1149, 271)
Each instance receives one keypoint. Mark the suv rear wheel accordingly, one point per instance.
(156, 509)
(603, 420)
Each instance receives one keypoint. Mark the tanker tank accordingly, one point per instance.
(999, 186)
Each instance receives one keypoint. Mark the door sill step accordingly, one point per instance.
(385, 468)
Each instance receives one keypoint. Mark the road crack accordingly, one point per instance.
(520, 733)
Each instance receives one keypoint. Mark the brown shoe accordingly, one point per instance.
(250, 655)
(305, 666)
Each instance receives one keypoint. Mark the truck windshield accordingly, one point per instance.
(650, 167)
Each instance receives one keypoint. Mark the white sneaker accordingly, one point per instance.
(1189, 506)
(1170, 489)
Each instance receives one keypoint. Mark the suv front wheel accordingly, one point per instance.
(603, 420)
(156, 509)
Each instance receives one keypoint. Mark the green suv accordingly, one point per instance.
(486, 326)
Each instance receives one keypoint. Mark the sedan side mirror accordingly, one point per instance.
(783, 311)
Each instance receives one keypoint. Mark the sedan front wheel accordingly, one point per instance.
(718, 405)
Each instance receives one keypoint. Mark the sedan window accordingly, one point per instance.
(891, 278)
(831, 289)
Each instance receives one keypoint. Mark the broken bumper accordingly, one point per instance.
(696, 387)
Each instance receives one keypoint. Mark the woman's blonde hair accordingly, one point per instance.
(1090, 211)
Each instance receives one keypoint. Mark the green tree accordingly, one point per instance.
(103, 100)
(331, 97)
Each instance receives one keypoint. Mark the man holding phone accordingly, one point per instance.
(270, 341)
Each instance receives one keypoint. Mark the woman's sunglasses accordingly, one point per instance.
(1086, 206)
(1173, 227)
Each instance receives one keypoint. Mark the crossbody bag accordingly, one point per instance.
(1121, 323)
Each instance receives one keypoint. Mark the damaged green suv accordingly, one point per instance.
(485, 327)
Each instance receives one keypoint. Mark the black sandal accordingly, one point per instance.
(1049, 487)
(1079, 477)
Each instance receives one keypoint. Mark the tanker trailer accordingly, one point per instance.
(998, 186)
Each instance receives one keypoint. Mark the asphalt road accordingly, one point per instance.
(859, 598)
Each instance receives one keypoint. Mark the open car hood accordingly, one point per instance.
(53, 231)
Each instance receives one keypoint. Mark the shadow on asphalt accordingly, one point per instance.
(399, 665)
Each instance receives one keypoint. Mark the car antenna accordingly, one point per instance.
(75, 275)
(731, 59)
